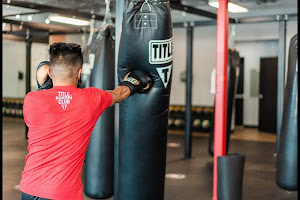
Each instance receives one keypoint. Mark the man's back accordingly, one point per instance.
(60, 122)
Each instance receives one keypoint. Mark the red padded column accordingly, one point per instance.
(221, 88)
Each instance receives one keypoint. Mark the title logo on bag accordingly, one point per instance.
(63, 99)
(160, 51)
(164, 73)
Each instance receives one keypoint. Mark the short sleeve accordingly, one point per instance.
(26, 107)
(103, 100)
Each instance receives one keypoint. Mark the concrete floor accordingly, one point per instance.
(259, 176)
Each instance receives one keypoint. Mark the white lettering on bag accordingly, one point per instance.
(164, 73)
(160, 51)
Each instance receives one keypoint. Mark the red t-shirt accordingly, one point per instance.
(60, 122)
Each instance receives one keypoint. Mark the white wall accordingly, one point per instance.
(179, 63)
(80, 39)
(14, 60)
(252, 51)
(204, 53)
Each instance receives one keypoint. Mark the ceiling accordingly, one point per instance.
(40, 10)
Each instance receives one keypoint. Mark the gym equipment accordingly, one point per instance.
(145, 44)
(233, 74)
(182, 109)
(206, 111)
(199, 111)
(176, 109)
(193, 110)
(144, 81)
(21, 108)
(197, 124)
(287, 163)
(179, 123)
(206, 125)
(230, 170)
(171, 122)
(99, 157)
(171, 110)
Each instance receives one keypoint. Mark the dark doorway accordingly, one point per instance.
(268, 94)
(239, 97)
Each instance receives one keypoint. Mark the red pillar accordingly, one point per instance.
(221, 88)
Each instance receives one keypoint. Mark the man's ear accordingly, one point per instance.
(79, 74)
(48, 72)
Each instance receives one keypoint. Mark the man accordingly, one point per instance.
(60, 122)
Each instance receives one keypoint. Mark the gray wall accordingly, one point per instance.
(14, 60)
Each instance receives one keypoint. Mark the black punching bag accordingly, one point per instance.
(233, 75)
(287, 165)
(100, 153)
(146, 44)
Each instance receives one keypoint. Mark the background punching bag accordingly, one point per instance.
(287, 165)
(100, 153)
(146, 44)
(89, 57)
(233, 75)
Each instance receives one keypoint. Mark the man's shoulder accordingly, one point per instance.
(92, 89)
(95, 92)
(32, 94)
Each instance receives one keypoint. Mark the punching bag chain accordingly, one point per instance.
(107, 18)
(146, 2)
(92, 30)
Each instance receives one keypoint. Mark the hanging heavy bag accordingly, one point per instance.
(100, 153)
(233, 74)
(287, 164)
(146, 44)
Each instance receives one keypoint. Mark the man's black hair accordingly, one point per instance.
(65, 58)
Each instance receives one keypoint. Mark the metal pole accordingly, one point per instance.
(118, 29)
(221, 89)
(280, 76)
(188, 110)
(28, 68)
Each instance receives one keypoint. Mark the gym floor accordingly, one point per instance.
(259, 181)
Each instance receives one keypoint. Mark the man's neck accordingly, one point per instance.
(64, 83)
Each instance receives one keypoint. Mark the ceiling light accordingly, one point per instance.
(233, 8)
(47, 21)
(68, 20)
(18, 16)
(30, 17)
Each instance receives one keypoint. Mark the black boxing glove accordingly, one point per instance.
(137, 81)
(48, 82)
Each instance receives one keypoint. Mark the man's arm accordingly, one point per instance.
(42, 73)
(119, 94)
(136, 81)
(42, 76)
